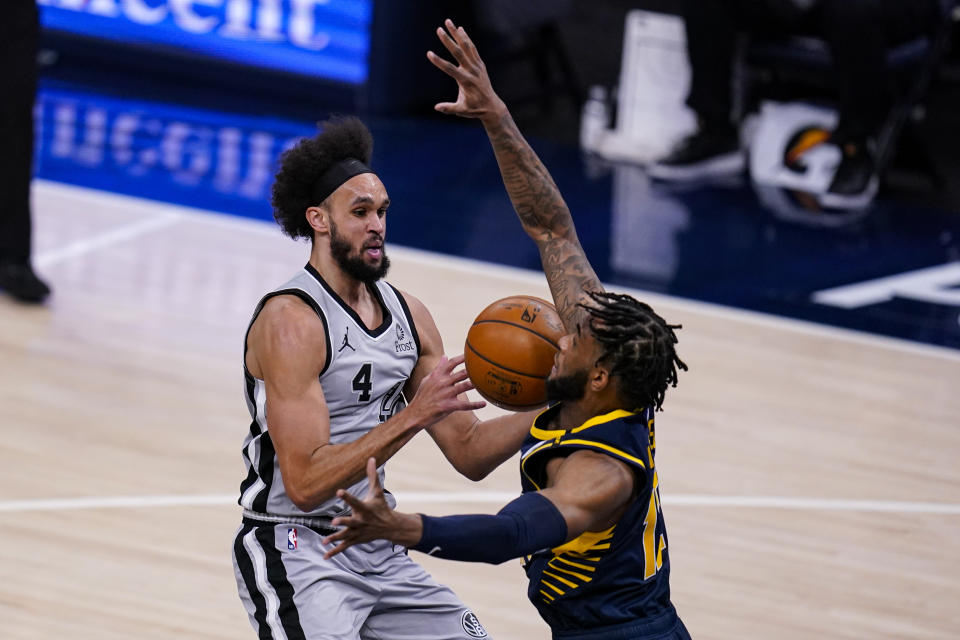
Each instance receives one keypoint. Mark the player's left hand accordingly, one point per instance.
(476, 97)
(372, 519)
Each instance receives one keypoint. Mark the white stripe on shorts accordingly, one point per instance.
(259, 560)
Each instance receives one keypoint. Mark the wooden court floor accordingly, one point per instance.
(810, 476)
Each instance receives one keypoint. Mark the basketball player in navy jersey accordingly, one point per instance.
(329, 360)
(589, 519)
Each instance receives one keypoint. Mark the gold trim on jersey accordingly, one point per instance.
(556, 434)
(552, 437)
(607, 417)
(586, 541)
(536, 447)
(544, 434)
(608, 448)
(574, 563)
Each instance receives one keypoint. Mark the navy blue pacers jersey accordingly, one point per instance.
(607, 577)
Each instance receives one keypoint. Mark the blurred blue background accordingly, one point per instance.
(193, 102)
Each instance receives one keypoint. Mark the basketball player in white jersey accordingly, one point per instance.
(329, 359)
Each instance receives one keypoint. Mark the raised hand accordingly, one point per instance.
(372, 519)
(535, 196)
(476, 97)
(439, 393)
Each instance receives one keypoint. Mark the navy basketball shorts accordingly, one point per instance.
(666, 626)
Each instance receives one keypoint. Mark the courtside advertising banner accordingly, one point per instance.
(184, 155)
(327, 39)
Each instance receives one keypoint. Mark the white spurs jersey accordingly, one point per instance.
(362, 380)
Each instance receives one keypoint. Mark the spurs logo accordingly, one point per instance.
(346, 341)
(472, 626)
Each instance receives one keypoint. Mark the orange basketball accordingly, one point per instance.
(510, 349)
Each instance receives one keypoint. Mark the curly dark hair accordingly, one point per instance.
(638, 344)
(339, 138)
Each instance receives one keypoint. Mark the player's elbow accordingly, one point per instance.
(475, 474)
(302, 501)
(466, 466)
(305, 498)
(475, 470)
(303, 481)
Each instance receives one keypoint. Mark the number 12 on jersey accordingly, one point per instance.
(653, 543)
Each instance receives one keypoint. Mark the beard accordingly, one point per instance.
(568, 388)
(355, 266)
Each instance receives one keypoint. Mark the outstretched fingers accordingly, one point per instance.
(362, 512)
(372, 476)
(463, 387)
(449, 43)
(471, 405)
(342, 537)
(467, 45)
(461, 47)
(459, 379)
(352, 501)
(463, 42)
(475, 97)
(344, 543)
(446, 66)
(446, 366)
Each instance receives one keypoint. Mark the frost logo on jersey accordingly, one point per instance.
(292, 539)
(400, 345)
(472, 626)
(346, 341)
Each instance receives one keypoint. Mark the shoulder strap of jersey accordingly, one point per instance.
(610, 434)
(406, 312)
(307, 298)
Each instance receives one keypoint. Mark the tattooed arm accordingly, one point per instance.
(536, 199)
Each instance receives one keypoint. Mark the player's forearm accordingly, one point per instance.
(405, 529)
(334, 466)
(545, 218)
(478, 447)
(526, 525)
(496, 441)
(534, 195)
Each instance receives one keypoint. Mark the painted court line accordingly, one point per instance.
(497, 498)
(104, 240)
(115, 502)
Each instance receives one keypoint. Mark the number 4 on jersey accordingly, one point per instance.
(363, 382)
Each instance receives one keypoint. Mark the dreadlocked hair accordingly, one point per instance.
(339, 138)
(638, 344)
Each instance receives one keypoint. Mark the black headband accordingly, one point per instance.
(335, 176)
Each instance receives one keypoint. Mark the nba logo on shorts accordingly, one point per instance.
(291, 539)
(472, 626)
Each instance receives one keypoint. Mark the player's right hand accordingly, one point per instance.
(476, 97)
(372, 519)
(440, 393)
